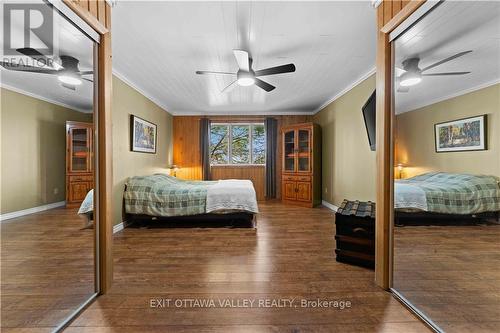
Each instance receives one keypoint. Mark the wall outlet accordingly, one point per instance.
(56, 190)
(326, 189)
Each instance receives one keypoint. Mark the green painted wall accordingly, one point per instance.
(33, 151)
(127, 101)
(415, 135)
(348, 164)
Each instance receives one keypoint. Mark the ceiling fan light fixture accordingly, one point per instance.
(69, 79)
(246, 81)
(410, 79)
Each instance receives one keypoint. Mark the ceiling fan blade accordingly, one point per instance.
(243, 59)
(32, 69)
(446, 60)
(445, 74)
(230, 87)
(68, 86)
(399, 71)
(264, 85)
(87, 79)
(276, 70)
(403, 89)
(212, 72)
(35, 54)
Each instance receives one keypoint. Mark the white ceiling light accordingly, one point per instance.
(246, 81)
(69, 79)
(410, 79)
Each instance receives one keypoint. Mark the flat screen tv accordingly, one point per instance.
(370, 122)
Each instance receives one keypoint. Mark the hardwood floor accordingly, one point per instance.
(47, 269)
(451, 273)
(290, 255)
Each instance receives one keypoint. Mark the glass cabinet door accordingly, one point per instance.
(304, 150)
(80, 149)
(289, 151)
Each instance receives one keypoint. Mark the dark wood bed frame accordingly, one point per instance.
(233, 220)
(426, 218)
(209, 220)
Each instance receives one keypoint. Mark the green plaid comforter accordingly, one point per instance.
(452, 193)
(163, 195)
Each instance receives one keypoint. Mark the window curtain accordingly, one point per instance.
(271, 126)
(205, 147)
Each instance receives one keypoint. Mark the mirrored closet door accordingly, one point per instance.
(446, 229)
(48, 122)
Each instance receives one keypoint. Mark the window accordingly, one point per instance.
(237, 144)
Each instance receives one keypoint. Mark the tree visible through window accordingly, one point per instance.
(237, 144)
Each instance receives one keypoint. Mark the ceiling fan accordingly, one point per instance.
(67, 72)
(411, 74)
(246, 76)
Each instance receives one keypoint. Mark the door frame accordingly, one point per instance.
(386, 23)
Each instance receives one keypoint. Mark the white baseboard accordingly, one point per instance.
(19, 213)
(329, 205)
(118, 227)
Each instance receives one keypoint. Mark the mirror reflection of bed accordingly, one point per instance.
(447, 167)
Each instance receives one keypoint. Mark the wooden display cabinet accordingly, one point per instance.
(79, 161)
(301, 164)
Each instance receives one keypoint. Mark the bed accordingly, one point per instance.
(86, 210)
(161, 197)
(441, 195)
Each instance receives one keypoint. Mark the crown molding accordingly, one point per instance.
(376, 3)
(141, 91)
(345, 90)
(42, 98)
(450, 96)
(242, 113)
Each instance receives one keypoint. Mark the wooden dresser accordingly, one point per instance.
(301, 164)
(79, 161)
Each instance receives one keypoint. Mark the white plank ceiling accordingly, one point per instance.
(453, 27)
(158, 46)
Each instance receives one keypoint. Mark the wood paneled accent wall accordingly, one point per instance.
(388, 9)
(97, 13)
(187, 151)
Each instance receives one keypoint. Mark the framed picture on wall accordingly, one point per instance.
(142, 135)
(461, 135)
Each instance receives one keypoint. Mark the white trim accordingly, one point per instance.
(329, 205)
(240, 113)
(112, 3)
(141, 91)
(413, 18)
(456, 94)
(376, 3)
(118, 227)
(19, 213)
(346, 90)
(45, 99)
